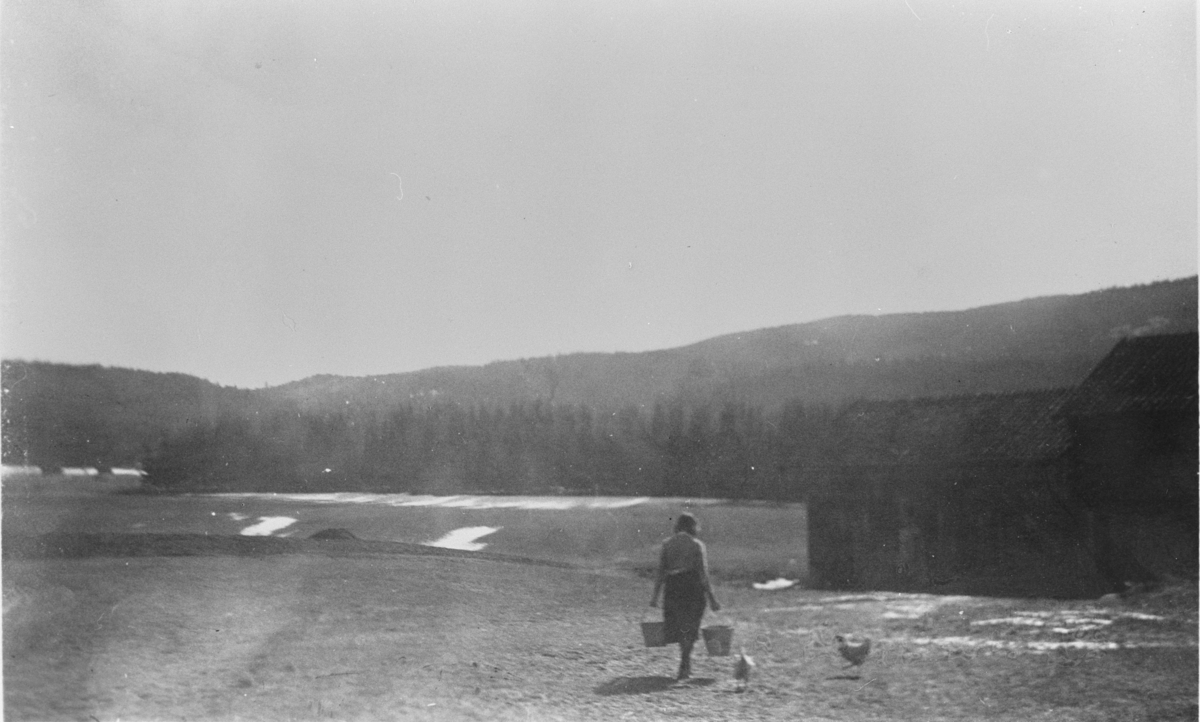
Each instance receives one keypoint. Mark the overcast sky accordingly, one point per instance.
(257, 191)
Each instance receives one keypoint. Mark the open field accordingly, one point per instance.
(747, 540)
(154, 626)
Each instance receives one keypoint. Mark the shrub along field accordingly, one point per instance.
(151, 626)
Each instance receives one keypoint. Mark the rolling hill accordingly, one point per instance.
(1032, 344)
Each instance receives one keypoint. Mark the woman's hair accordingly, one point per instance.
(686, 522)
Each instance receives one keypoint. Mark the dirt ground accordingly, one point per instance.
(349, 632)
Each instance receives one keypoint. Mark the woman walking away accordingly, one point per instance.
(683, 570)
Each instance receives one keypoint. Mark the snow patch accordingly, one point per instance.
(1025, 621)
(1036, 646)
(464, 538)
(1142, 616)
(5, 470)
(267, 525)
(1066, 621)
(896, 605)
(80, 471)
(774, 584)
(467, 501)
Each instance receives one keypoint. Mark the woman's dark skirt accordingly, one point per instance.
(683, 607)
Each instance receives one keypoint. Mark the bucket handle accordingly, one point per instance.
(720, 618)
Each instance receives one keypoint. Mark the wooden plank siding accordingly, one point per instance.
(1067, 492)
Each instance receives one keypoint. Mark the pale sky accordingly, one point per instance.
(257, 191)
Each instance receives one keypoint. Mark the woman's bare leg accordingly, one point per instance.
(685, 659)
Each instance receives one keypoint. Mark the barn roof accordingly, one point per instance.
(1145, 373)
(981, 429)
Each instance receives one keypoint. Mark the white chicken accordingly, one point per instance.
(742, 670)
(853, 651)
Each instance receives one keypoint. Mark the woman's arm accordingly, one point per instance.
(660, 577)
(712, 599)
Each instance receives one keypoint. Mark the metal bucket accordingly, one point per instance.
(654, 634)
(718, 639)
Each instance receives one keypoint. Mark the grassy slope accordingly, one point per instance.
(375, 636)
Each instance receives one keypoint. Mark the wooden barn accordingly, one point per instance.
(1133, 458)
(950, 495)
(1050, 493)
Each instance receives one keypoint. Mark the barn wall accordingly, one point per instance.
(1135, 475)
(999, 530)
(1143, 544)
(1124, 459)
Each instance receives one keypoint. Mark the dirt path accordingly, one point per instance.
(384, 636)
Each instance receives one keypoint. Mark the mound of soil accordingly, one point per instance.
(327, 534)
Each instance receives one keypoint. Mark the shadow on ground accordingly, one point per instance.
(645, 685)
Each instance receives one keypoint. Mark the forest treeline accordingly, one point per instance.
(731, 451)
(729, 415)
